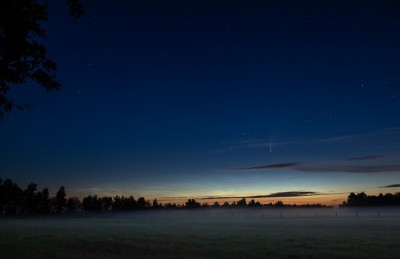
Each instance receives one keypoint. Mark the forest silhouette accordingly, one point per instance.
(30, 201)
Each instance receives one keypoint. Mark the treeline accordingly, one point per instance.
(242, 203)
(362, 199)
(30, 201)
(16, 201)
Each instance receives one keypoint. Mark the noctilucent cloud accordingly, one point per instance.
(214, 100)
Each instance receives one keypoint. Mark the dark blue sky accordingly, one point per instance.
(185, 99)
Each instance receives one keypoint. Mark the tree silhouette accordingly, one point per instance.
(117, 203)
(106, 203)
(216, 205)
(242, 203)
(362, 199)
(156, 204)
(170, 205)
(123, 203)
(192, 203)
(31, 201)
(73, 204)
(43, 201)
(60, 200)
(130, 203)
(22, 58)
(253, 203)
(205, 205)
(92, 203)
(141, 203)
(15, 201)
(11, 197)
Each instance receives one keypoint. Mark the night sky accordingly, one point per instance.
(291, 100)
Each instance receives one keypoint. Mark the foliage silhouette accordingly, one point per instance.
(92, 203)
(253, 203)
(44, 201)
(30, 201)
(242, 203)
(22, 58)
(60, 200)
(141, 203)
(156, 205)
(11, 197)
(362, 199)
(192, 203)
(73, 204)
(216, 205)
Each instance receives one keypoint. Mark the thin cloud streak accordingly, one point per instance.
(339, 166)
(350, 169)
(286, 194)
(362, 158)
(390, 186)
(271, 195)
(269, 167)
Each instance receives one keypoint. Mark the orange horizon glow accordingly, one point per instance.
(329, 200)
(323, 199)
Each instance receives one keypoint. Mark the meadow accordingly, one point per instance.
(249, 233)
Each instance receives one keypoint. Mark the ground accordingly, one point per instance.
(206, 233)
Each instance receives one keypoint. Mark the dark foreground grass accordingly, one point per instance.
(177, 236)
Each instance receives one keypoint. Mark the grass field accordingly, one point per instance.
(205, 233)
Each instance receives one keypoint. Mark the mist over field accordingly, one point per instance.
(254, 213)
(230, 233)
